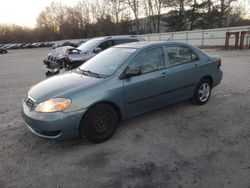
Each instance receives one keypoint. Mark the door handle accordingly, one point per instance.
(163, 75)
(196, 66)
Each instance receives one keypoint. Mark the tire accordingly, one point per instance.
(202, 92)
(99, 124)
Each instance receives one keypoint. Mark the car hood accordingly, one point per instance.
(79, 57)
(58, 85)
(61, 50)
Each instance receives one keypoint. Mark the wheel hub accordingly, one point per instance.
(101, 124)
(204, 92)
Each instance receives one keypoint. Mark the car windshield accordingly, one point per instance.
(108, 61)
(89, 45)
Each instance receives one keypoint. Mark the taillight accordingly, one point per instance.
(219, 63)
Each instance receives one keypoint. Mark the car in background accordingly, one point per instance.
(65, 44)
(26, 45)
(119, 83)
(3, 51)
(6, 46)
(68, 57)
(45, 44)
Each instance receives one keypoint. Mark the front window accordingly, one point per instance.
(108, 61)
(150, 60)
(89, 45)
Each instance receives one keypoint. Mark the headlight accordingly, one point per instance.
(63, 57)
(53, 105)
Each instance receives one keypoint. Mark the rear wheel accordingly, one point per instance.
(99, 124)
(202, 92)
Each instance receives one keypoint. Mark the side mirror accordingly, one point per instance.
(97, 50)
(132, 72)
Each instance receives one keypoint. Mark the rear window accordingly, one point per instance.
(122, 41)
(180, 55)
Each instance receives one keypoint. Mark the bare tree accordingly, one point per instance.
(98, 10)
(117, 8)
(193, 14)
(53, 16)
(149, 12)
(134, 6)
(225, 9)
(83, 10)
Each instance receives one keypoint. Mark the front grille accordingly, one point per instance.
(51, 58)
(30, 103)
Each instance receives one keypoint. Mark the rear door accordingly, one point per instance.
(182, 73)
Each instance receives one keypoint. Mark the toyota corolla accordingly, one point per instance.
(119, 83)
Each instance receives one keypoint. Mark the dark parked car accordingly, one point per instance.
(69, 57)
(3, 51)
(119, 83)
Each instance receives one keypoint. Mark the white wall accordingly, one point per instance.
(209, 37)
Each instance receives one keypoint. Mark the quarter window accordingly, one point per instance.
(150, 60)
(180, 55)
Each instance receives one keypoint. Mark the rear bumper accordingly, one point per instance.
(217, 78)
(55, 126)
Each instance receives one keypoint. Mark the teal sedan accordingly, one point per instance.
(117, 84)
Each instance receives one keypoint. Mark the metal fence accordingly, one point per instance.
(208, 37)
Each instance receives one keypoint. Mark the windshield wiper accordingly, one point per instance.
(88, 72)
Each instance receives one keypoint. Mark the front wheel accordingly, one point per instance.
(202, 92)
(99, 124)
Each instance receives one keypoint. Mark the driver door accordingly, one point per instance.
(142, 93)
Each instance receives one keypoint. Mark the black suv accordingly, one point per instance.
(68, 57)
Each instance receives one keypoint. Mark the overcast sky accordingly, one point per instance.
(25, 12)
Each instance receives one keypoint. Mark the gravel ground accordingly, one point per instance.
(182, 145)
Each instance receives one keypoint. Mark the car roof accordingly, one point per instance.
(119, 37)
(143, 44)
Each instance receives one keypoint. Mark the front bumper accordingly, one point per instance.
(54, 67)
(52, 64)
(56, 126)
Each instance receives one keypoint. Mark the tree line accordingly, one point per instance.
(90, 18)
